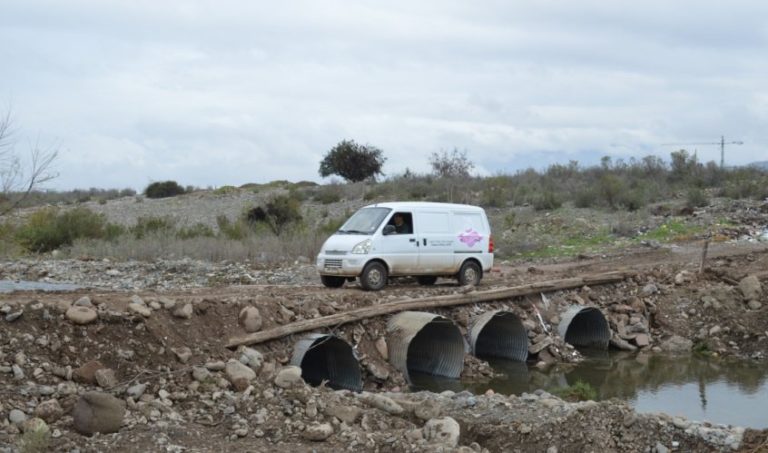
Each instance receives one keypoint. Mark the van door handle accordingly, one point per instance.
(412, 240)
(425, 242)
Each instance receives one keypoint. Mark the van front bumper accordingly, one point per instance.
(342, 266)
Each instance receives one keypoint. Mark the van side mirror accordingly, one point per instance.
(388, 229)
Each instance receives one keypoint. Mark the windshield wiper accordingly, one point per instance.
(354, 231)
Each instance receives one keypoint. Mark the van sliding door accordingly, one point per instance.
(436, 242)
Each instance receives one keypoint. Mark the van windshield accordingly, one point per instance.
(364, 221)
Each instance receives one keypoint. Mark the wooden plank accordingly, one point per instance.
(425, 303)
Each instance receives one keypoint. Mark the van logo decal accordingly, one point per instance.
(470, 237)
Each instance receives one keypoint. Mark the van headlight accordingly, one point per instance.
(362, 248)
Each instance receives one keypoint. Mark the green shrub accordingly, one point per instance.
(330, 226)
(547, 200)
(696, 198)
(328, 194)
(195, 231)
(48, 229)
(610, 188)
(632, 199)
(146, 226)
(232, 230)
(495, 193)
(36, 439)
(585, 198)
(225, 190)
(163, 189)
(282, 211)
(579, 391)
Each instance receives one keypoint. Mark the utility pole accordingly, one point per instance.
(722, 144)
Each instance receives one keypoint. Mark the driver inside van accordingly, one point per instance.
(401, 226)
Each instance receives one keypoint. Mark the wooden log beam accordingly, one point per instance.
(426, 303)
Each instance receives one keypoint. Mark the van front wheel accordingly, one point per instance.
(470, 274)
(331, 281)
(374, 276)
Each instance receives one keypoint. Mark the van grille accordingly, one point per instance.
(335, 252)
(332, 264)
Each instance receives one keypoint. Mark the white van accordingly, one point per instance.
(425, 240)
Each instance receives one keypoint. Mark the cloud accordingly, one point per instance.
(214, 93)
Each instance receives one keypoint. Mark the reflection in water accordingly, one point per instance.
(699, 388)
(9, 286)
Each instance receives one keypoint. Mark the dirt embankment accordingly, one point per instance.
(162, 356)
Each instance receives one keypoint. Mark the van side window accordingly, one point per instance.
(403, 222)
(468, 220)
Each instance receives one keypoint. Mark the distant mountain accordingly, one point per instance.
(763, 164)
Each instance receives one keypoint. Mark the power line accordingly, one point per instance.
(722, 144)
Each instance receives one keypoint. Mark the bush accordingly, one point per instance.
(632, 199)
(195, 231)
(585, 198)
(330, 226)
(163, 189)
(547, 200)
(226, 190)
(255, 215)
(696, 198)
(152, 225)
(48, 229)
(232, 230)
(328, 194)
(282, 211)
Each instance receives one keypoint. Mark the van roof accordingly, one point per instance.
(422, 204)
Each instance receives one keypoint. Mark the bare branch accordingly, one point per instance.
(16, 182)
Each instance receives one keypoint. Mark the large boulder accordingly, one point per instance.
(86, 374)
(676, 344)
(239, 375)
(288, 377)
(750, 287)
(318, 432)
(81, 315)
(50, 410)
(97, 412)
(250, 319)
(442, 431)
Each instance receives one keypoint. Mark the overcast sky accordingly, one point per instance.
(210, 93)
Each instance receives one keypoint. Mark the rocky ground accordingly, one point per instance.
(137, 360)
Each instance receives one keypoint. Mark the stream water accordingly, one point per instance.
(9, 286)
(697, 387)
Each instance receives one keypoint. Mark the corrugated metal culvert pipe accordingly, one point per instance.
(420, 342)
(585, 327)
(498, 334)
(325, 357)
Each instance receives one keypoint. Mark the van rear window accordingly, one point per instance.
(364, 221)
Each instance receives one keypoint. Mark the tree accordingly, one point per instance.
(352, 161)
(18, 178)
(453, 165)
(163, 189)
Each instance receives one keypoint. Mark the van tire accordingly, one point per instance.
(426, 280)
(374, 276)
(470, 273)
(330, 281)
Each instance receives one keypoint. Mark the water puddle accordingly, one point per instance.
(9, 286)
(697, 387)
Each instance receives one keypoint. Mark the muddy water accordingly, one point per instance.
(699, 388)
(9, 286)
